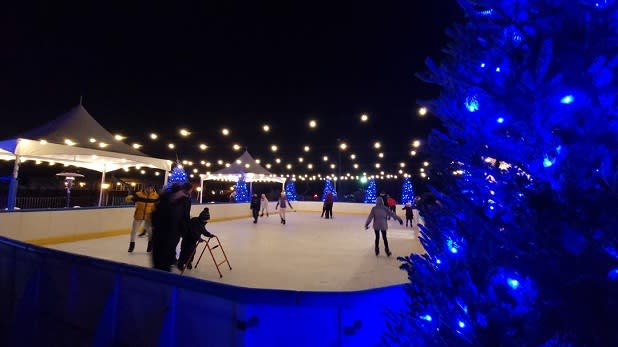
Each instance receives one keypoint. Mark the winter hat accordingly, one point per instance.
(205, 214)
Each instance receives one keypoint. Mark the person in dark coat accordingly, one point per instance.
(409, 213)
(328, 205)
(379, 214)
(169, 221)
(255, 207)
(197, 228)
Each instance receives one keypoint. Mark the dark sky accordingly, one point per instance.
(148, 68)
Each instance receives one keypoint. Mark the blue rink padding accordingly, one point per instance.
(54, 298)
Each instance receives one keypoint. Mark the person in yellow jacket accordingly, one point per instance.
(144, 206)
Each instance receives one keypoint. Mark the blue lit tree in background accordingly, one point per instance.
(370, 193)
(242, 192)
(328, 187)
(407, 192)
(521, 242)
(177, 175)
(290, 190)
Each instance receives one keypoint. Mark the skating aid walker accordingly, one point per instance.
(210, 246)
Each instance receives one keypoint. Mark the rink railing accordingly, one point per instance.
(49, 297)
(51, 226)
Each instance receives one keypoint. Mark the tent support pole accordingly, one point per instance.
(251, 188)
(13, 185)
(201, 189)
(101, 189)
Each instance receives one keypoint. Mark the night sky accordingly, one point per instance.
(143, 69)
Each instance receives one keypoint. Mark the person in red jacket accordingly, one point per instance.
(391, 203)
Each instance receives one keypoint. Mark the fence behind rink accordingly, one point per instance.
(49, 297)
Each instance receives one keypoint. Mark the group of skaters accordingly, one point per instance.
(166, 220)
(261, 204)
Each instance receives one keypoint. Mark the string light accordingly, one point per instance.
(422, 111)
(325, 158)
(266, 128)
(119, 137)
(171, 146)
(313, 123)
(307, 148)
(274, 148)
(352, 156)
(93, 140)
(225, 131)
(381, 155)
(377, 145)
(364, 118)
(416, 143)
(236, 147)
(343, 146)
(184, 132)
(153, 136)
(300, 159)
(137, 145)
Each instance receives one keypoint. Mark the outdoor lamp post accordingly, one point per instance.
(69, 178)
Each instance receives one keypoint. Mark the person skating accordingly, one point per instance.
(264, 205)
(409, 213)
(282, 204)
(142, 217)
(328, 205)
(255, 207)
(197, 228)
(168, 222)
(379, 214)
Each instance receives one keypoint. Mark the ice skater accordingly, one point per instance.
(255, 207)
(264, 205)
(409, 214)
(282, 204)
(144, 206)
(191, 238)
(379, 214)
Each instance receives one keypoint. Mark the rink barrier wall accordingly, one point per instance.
(53, 226)
(50, 297)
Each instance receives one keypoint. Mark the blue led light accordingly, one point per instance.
(498, 69)
(567, 99)
(547, 162)
(472, 104)
(426, 317)
(500, 120)
(462, 324)
(613, 274)
(483, 65)
(513, 283)
(438, 261)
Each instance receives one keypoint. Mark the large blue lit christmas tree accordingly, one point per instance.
(521, 239)
(328, 187)
(290, 190)
(177, 175)
(242, 192)
(370, 193)
(407, 192)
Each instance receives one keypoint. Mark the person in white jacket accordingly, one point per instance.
(264, 205)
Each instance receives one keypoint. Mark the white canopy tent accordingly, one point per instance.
(244, 165)
(77, 139)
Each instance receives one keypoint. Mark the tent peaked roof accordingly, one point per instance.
(239, 167)
(80, 127)
(91, 146)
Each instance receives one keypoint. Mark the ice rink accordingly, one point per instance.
(308, 253)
